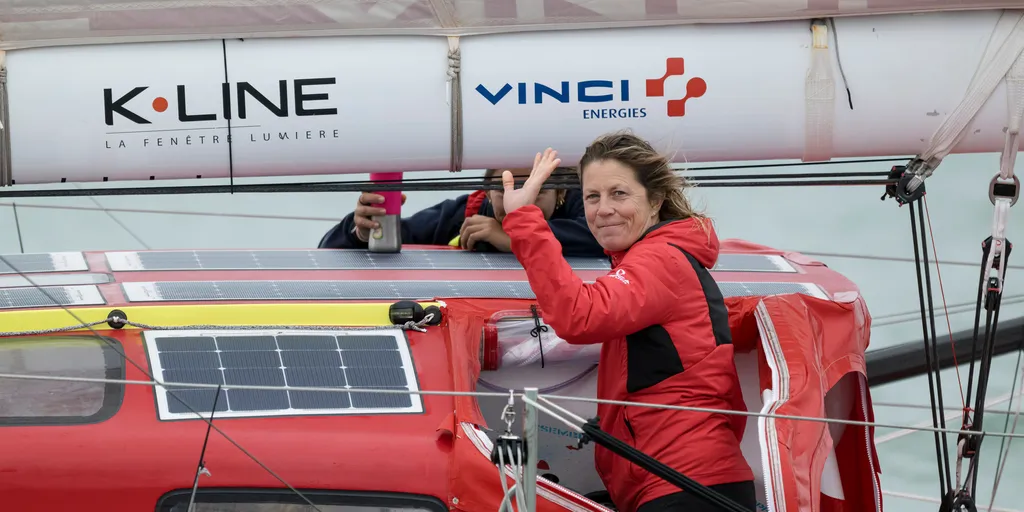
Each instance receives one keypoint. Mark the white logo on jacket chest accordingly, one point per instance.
(620, 274)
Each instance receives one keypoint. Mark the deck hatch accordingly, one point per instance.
(342, 359)
(43, 262)
(188, 291)
(409, 259)
(31, 297)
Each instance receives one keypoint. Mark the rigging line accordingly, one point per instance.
(993, 307)
(321, 187)
(227, 105)
(953, 307)
(942, 292)
(900, 318)
(918, 497)
(902, 432)
(1005, 456)
(254, 387)
(202, 455)
(952, 408)
(977, 321)
(941, 448)
(839, 61)
(196, 385)
(549, 398)
(802, 164)
(883, 258)
(120, 352)
(17, 225)
(116, 220)
(177, 212)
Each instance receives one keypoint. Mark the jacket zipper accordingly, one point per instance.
(629, 427)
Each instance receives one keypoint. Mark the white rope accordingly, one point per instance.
(949, 417)
(952, 407)
(540, 407)
(778, 416)
(1005, 455)
(918, 497)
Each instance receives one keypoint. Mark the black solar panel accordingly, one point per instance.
(30, 297)
(173, 291)
(326, 259)
(43, 262)
(373, 360)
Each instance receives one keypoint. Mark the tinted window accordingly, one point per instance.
(37, 402)
(286, 507)
(266, 500)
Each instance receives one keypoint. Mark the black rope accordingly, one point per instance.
(941, 447)
(227, 105)
(537, 329)
(990, 297)
(202, 453)
(404, 185)
(593, 432)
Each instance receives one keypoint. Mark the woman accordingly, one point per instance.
(659, 314)
(470, 221)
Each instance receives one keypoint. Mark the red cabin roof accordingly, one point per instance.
(94, 446)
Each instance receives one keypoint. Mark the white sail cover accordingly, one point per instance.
(28, 23)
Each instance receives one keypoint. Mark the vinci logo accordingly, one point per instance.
(604, 91)
(279, 106)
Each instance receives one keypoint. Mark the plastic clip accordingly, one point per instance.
(1004, 188)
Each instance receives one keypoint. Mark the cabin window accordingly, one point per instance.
(57, 402)
(274, 500)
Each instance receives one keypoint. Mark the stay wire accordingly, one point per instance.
(131, 361)
(934, 342)
(941, 451)
(202, 454)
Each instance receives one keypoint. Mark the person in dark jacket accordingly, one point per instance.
(471, 221)
(659, 315)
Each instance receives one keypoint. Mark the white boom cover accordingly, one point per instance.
(334, 105)
(26, 23)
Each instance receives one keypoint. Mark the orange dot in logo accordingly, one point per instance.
(159, 104)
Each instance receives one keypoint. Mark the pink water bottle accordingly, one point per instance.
(388, 237)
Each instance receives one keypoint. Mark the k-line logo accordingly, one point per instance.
(300, 96)
(603, 91)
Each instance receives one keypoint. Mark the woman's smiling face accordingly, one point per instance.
(617, 206)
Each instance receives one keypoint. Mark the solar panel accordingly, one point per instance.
(342, 359)
(43, 262)
(31, 297)
(185, 291)
(752, 263)
(16, 281)
(326, 259)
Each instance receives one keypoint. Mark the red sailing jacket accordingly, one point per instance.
(666, 340)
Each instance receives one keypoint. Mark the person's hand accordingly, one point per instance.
(481, 228)
(543, 166)
(364, 210)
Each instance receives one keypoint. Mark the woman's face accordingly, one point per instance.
(547, 199)
(616, 204)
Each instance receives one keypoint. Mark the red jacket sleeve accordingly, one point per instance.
(636, 295)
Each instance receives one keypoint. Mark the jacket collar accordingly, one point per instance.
(616, 257)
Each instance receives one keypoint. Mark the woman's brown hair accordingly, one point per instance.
(652, 169)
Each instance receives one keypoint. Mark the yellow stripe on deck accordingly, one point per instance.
(341, 315)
